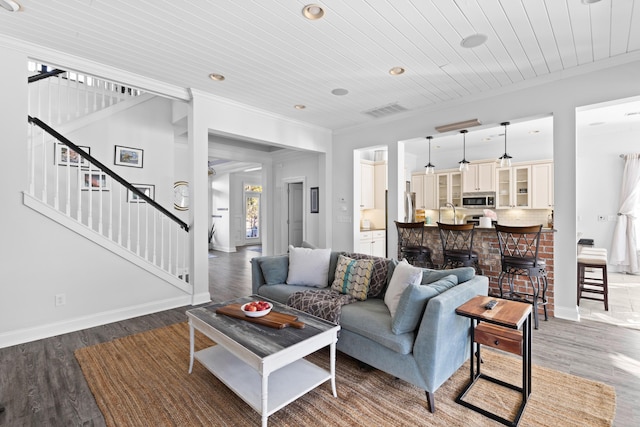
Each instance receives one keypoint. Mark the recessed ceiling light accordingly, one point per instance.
(216, 77)
(10, 5)
(396, 71)
(487, 139)
(299, 107)
(533, 132)
(596, 123)
(474, 40)
(339, 92)
(313, 12)
(589, 1)
(632, 113)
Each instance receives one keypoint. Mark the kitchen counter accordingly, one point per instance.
(485, 243)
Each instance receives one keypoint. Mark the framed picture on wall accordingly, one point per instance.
(66, 156)
(148, 190)
(314, 191)
(94, 180)
(127, 156)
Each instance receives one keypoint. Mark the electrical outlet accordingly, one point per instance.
(61, 299)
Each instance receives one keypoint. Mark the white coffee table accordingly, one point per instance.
(264, 366)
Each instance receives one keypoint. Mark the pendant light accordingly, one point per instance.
(505, 159)
(429, 168)
(464, 164)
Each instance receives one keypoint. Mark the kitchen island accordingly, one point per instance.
(485, 243)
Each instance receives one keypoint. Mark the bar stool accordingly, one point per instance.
(457, 246)
(593, 259)
(410, 244)
(519, 256)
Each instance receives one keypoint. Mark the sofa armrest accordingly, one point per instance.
(442, 342)
(257, 278)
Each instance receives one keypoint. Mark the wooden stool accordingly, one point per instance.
(593, 259)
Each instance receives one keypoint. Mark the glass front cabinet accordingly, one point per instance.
(513, 187)
(449, 189)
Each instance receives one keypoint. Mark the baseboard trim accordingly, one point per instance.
(567, 313)
(25, 335)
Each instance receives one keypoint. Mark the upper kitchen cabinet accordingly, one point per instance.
(513, 187)
(380, 184)
(479, 178)
(425, 188)
(367, 185)
(449, 188)
(542, 186)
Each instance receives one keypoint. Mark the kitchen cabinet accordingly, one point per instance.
(425, 188)
(542, 186)
(367, 183)
(373, 243)
(380, 184)
(449, 188)
(480, 177)
(513, 187)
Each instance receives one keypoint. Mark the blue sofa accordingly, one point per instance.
(426, 356)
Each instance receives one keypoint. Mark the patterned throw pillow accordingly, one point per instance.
(353, 277)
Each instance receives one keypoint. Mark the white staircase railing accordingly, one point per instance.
(65, 177)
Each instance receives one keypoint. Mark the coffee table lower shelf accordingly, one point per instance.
(285, 384)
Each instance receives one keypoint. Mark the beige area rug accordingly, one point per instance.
(142, 380)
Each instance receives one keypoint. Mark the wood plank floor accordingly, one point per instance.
(41, 383)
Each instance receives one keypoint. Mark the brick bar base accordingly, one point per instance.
(485, 242)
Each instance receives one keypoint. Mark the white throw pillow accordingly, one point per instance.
(404, 275)
(309, 267)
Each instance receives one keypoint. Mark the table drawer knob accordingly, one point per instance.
(496, 342)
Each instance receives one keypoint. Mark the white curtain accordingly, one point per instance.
(624, 246)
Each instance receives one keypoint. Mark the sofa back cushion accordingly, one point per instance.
(353, 276)
(309, 267)
(404, 275)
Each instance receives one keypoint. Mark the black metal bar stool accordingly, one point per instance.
(457, 246)
(519, 256)
(410, 244)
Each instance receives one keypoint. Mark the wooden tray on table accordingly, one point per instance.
(273, 319)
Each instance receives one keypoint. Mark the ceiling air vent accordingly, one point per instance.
(387, 110)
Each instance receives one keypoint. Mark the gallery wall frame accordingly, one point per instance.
(66, 156)
(148, 190)
(93, 180)
(315, 199)
(128, 156)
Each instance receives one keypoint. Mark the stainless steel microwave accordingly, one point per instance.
(479, 200)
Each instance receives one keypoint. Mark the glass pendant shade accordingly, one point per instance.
(429, 168)
(505, 159)
(464, 164)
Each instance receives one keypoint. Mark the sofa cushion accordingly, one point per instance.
(372, 320)
(462, 273)
(414, 299)
(352, 277)
(380, 272)
(403, 275)
(274, 269)
(280, 292)
(308, 267)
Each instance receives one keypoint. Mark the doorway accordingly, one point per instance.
(252, 198)
(295, 217)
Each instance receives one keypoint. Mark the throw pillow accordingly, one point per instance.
(353, 277)
(414, 299)
(274, 269)
(403, 275)
(379, 277)
(308, 267)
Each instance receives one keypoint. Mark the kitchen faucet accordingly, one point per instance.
(455, 219)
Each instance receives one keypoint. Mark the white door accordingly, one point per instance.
(295, 220)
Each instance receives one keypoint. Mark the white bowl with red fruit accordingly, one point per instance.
(256, 308)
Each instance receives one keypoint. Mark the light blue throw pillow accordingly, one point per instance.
(274, 269)
(414, 299)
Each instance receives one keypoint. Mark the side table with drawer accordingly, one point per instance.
(506, 327)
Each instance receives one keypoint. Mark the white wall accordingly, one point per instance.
(559, 95)
(599, 171)
(40, 258)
